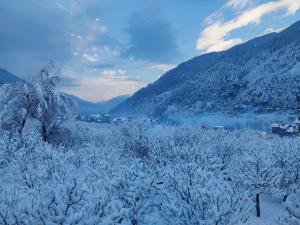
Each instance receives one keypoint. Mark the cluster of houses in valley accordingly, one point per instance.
(280, 129)
(286, 129)
(101, 118)
(94, 118)
(105, 118)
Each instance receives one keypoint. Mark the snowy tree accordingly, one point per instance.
(189, 175)
(287, 164)
(253, 172)
(200, 197)
(15, 105)
(51, 107)
(39, 101)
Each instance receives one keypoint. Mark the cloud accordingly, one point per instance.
(66, 82)
(92, 44)
(213, 37)
(237, 4)
(31, 32)
(66, 31)
(103, 66)
(151, 38)
(225, 45)
(276, 30)
(103, 86)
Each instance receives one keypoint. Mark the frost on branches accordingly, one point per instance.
(58, 171)
(140, 173)
(38, 102)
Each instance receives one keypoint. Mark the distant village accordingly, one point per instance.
(105, 118)
(286, 129)
(280, 128)
(94, 118)
(101, 118)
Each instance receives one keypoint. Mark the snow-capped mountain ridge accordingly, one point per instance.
(263, 73)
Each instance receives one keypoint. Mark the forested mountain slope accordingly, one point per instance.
(262, 74)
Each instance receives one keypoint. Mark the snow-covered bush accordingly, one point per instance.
(293, 204)
(140, 173)
(253, 171)
(201, 197)
(135, 139)
(39, 102)
(287, 165)
(14, 104)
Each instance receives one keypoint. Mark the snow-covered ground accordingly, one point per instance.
(141, 173)
(271, 211)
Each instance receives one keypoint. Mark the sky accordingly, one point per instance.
(107, 48)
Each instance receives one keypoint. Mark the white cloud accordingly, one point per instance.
(88, 46)
(90, 58)
(224, 45)
(237, 4)
(104, 86)
(213, 17)
(272, 30)
(213, 38)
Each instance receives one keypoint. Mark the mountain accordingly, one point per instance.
(112, 103)
(82, 105)
(85, 107)
(262, 74)
(6, 77)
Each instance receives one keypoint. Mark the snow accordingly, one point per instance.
(262, 74)
(148, 173)
(137, 171)
(296, 69)
(271, 211)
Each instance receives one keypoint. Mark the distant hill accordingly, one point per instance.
(84, 106)
(6, 77)
(108, 105)
(262, 74)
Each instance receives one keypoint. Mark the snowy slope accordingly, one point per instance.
(6, 77)
(262, 74)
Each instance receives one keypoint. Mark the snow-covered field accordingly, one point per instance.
(273, 210)
(141, 173)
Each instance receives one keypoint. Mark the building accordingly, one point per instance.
(286, 129)
(94, 118)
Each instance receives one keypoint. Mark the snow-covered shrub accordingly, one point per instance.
(135, 138)
(201, 197)
(140, 173)
(253, 171)
(287, 164)
(40, 101)
(14, 103)
(293, 204)
(286, 220)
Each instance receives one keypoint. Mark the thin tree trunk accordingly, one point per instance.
(257, 202)
(44, 133)
(22, 126)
